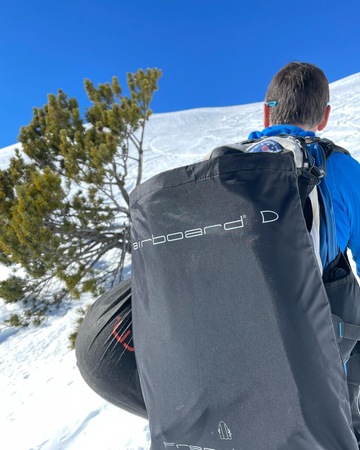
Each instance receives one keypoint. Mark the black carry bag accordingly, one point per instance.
(105, 351)
(233, 331)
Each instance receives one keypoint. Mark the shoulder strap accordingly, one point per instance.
(327, 146)
(339, 149)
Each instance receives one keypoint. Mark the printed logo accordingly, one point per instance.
(122, 337)
(267, 216)
(224, 431)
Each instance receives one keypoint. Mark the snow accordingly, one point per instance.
(45, 404)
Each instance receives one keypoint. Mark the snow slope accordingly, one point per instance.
(44, 403)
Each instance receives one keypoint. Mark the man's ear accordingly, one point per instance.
(266, 115)
(325, 119)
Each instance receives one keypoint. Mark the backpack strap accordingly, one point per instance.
(345, 330)
(328, 147)
(339, 149)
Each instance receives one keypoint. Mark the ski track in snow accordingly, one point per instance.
(45, 404)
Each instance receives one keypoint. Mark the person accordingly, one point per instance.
(297, 103)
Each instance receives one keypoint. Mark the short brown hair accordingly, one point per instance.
(301, 92)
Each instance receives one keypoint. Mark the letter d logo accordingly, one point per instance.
(269, 216)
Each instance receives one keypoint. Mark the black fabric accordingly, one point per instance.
(105, 352)
(344, 296)
(229, 149)
(104, 348)
(232, 326)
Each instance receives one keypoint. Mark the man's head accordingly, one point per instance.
(298, 95)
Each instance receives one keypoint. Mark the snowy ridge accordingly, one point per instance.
(45, 404)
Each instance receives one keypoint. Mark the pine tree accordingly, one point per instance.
(64, 199)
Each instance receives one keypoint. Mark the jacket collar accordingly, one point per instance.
(275, 130)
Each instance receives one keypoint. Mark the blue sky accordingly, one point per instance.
(212, 52)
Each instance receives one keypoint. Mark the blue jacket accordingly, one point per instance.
(342, 176)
